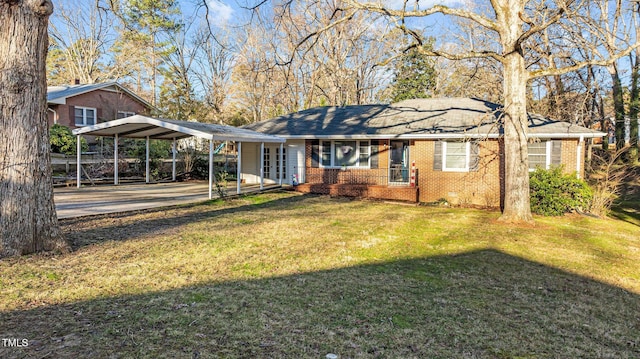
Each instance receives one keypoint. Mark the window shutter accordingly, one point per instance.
(374, 153)
(556, 152)
(437, 156)
(72, 116)
(98, 115)
(474, 159)
(315, 153)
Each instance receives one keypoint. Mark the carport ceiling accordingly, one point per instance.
(139, 126)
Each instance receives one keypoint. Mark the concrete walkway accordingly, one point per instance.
(77, 202)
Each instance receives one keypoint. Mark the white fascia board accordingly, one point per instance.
(392, 136)
(242, 138)
(58, 101)
(437, 136)
(567, 135)
(141, 120)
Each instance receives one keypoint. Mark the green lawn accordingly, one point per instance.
(282, 275)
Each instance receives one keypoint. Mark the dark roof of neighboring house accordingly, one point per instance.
(420, 118)
(59, 94)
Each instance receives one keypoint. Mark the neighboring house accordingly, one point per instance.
(84, 105)
(453, 145)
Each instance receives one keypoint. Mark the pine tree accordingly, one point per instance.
(414, 76)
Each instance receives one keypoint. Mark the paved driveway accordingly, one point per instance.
(85, 201)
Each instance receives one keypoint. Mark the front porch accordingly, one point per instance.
(380, 183)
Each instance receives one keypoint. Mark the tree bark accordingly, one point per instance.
(28, 220)
(517, 206)
(618, 104)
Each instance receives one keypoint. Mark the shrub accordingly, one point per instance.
(554, 193)
(607, 173)
(63, 141)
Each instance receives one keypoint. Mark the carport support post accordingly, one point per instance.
(261, 166)
(173, 163)
(239, 168)
(210, 169)
(79, 156)
(281, 164)
(147, 168)
(115, 160)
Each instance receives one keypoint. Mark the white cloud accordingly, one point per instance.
(219, 12)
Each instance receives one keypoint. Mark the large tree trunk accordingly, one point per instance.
(28, 221)
(618, 104)
(634, 104)
(517, 206)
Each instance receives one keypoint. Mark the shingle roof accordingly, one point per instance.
(59, 94)
(420, 118)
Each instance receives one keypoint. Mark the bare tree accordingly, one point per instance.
(213, 64)
(28, 221)
(512, 24)
(81, 37)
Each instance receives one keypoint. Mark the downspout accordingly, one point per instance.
(55, 115)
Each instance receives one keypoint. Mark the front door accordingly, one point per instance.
(399, 161)
(271, 160)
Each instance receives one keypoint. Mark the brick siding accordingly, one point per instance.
(106, 103)
(484, 187)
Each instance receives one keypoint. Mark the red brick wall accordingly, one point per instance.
(480, 187)
(107, 103)
(404, 193)
(483, 187)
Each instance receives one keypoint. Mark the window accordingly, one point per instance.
(284, 163)
(85, 116)
(266, 170)
(365, 154)
(345, 153)
(123, 114)
(326, 153)
(539, 155)
(455, 156)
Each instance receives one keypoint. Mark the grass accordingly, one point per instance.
(282, 275)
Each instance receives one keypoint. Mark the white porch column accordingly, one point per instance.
(281, 164)
(147, 168)
(210, 168)
(579, 156)
(261, 166)
(78, 157)
(239, 168)
(173, 163)
(115, 160)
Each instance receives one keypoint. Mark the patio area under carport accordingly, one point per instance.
(74, 202)
(143, 127)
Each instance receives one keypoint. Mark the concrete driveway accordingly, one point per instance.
(76, 202)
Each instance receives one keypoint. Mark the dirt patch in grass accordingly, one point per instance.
(284, 275)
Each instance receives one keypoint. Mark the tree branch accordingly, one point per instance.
(578, 65)
(463, 55)
(534, 29)
(380, 9)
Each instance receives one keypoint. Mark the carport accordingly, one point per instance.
(148, 128)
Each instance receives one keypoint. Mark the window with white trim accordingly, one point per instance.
(539, 155)
(345, 153)
(123, 114)
(85, 116)
(455, 156)
(326, 154)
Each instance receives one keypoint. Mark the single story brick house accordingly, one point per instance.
(420, 150)
(80, 105)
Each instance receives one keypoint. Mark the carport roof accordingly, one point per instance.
(139, 126)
